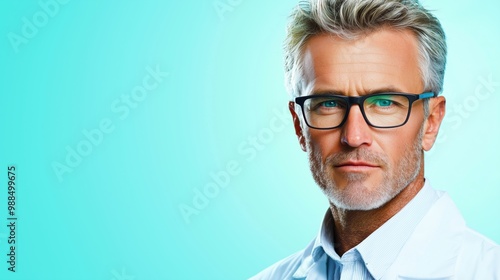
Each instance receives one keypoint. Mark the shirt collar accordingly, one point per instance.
(376, 252)
(324, 240)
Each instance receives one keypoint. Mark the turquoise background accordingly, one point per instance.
(222, 107)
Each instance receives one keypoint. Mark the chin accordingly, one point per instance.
(359, 197)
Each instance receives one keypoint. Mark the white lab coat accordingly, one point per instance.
(441, 247)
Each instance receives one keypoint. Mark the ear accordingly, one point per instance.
(437, 109)
(296, 125)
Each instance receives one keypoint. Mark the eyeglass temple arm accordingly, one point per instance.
(427, 94)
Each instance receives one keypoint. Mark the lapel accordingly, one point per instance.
(432, 250)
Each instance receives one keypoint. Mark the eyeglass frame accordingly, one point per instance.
(359, 100)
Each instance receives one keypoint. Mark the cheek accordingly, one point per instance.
(395, 144)
(394, 149)
(325, 142)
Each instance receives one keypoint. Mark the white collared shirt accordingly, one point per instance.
(427, 239)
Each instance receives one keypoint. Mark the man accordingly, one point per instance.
(365, 77)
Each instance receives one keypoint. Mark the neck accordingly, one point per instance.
(351, 227)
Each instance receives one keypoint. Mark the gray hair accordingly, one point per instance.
(350, 19)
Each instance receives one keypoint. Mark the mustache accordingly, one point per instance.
(357, 155)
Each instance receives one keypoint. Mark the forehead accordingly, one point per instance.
(381, 59)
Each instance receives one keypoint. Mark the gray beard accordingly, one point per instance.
(357, 196)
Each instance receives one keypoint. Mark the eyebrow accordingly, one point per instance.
(370, 91)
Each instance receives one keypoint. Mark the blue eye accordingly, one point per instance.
(326, 105)
(383, 102)
(329, 104)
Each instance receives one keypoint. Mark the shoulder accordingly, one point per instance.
(442, 242)
(481, 253)
(478, 257)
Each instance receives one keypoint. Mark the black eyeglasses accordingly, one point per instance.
(380, 110)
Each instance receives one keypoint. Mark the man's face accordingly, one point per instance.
(357, 166)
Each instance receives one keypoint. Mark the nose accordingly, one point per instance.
(355, 131)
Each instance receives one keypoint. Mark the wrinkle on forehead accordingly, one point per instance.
(386, 57)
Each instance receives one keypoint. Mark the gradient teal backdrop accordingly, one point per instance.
(118, 114)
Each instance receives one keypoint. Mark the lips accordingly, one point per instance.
(357, 160)
(357, 163)
(356, 166)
